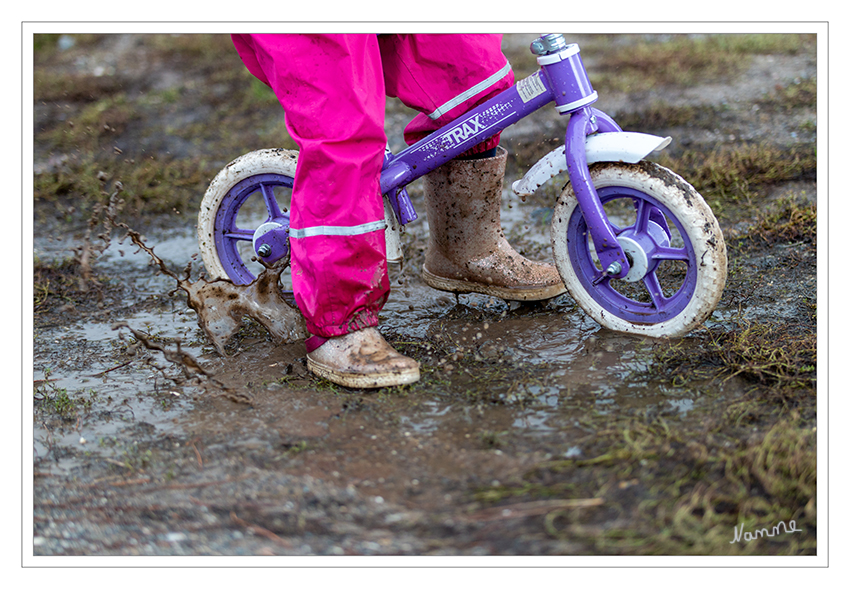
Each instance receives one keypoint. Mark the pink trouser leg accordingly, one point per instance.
(444, 76)
(332, 89)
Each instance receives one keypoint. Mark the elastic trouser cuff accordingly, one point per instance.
(360, 320)
(314, 342)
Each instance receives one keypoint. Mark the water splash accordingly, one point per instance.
(221, 305)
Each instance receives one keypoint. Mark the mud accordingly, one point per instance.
(532, 432)
(221, 305)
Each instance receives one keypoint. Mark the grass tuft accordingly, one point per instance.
(669, 488)
(790, 224)
(775, 355)
(741, 174)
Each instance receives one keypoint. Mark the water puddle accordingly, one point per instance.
(573, 367)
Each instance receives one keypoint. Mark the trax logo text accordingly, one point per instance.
(465, 131)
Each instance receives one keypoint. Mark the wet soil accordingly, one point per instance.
(534, 431)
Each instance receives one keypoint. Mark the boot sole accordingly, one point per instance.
(505, 293)
(364, 381)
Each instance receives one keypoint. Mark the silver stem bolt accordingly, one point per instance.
(264, 251)
(548, 44)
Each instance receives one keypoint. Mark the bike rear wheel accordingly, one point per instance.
(673, 242)
(252, 191)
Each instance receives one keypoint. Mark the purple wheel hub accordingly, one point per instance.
(667, 281)
(269, 241)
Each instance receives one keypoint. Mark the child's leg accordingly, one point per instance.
(443, 76)
(332, 92)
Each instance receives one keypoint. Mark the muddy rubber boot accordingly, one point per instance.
(467, 250)
(361, 359)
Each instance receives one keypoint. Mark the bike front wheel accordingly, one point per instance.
(673, 243)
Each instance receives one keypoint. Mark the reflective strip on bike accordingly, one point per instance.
(338, 230)
(463, 97)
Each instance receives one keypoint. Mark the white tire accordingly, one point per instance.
(264, 161)
(689, 220)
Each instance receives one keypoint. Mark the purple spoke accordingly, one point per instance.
(670, 253)
(642, 216)
(271, 202)
(654, 287)
(239, 234)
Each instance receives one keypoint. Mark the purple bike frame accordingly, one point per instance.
(562, 79)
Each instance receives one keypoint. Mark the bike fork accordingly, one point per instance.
(573, 94)
(582, 123)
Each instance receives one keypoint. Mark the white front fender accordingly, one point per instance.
(601, 147)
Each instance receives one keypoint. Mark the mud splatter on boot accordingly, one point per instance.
(362, 359)
(467, 249)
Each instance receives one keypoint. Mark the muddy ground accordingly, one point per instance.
(532, 432)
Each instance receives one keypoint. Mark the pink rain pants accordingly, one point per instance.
(332, 89)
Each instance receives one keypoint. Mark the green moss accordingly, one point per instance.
(204, 49)
(93, 128)
(46, 45)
